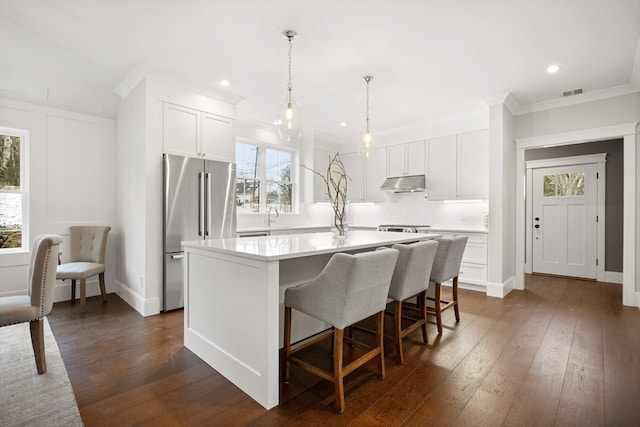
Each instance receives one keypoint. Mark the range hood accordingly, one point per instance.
(402, 184)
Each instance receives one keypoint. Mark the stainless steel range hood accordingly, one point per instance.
(402, 184)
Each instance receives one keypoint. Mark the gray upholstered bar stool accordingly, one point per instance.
(350, 288)
(446, 266)
(410, 280)
(88, 246)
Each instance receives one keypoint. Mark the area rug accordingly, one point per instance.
(29, 399)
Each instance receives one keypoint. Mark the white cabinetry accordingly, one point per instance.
(441, 180)
(320, 164)
(193, 133)
(354, 166)
(406, 159)
(473, 269)
(376, 173)
(458, 166)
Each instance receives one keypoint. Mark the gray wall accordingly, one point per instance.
(614, 190)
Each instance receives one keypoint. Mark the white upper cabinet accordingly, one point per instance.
(320, 164)
(458, 166)
(406, 159)
(473, 165)
(441, 181)
(354, 166)
(194, 133)
(376, 173)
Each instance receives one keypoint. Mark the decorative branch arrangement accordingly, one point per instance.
(336, 179)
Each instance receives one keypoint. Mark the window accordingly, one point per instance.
(12, 190)
(264, 178)
(564, 184)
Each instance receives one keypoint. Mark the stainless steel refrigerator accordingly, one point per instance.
(199, 204)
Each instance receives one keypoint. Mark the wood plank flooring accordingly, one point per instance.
(563, 352)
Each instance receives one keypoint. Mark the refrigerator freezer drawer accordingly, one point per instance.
(173, 281)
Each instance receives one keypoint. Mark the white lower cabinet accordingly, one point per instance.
(473, 269)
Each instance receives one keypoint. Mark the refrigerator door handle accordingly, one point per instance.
(208, 195)
(200, 203)
(177, 256)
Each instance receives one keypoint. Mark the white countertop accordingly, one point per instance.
(455, 230)
(272, 248)
(295, 227)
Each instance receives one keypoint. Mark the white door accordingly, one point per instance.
(564, 220)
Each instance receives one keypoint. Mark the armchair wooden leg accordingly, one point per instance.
(397, 325)
(73, 291)
(455, 298)
(287, 344)
(83, 294)
(438, 307)
(103, 290)
(37, 341)
(380, 343)
(422, 305)
(338, 376)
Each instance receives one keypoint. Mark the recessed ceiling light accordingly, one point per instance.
(554, 68)
(343, 124)
(225, 83)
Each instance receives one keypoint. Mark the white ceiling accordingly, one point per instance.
(429, 59)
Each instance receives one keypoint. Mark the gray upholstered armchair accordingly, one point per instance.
(34, 307)
(88, 247)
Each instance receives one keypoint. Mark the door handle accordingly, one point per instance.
(200, 203)
(208, 197)
(177, 256)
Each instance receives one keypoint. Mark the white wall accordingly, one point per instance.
(72, 159)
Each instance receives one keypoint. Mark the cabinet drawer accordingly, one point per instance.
(473, 273)
(475, 253)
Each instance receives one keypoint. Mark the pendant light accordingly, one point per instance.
(289, 114)
(367, 138)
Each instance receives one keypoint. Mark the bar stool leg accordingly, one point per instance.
(338, 376)
(455, 298)
(287, 344)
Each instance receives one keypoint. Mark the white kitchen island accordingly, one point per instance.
(234, 293)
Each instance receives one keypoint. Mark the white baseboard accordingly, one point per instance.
(500, 290)
(146, 307)
(613, 277)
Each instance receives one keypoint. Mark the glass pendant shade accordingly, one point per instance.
(288, 114)
(289, 120)
(367, 143)
(367, 138)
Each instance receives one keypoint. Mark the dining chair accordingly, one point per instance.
(350, 288)
(446, 266)
(34, 307)
(88, 246)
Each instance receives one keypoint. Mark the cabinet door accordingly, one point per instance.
(217, 141)
(473, 165)
(415, 158)
(180, 130)
(376, 171)
(354, 165)
(442, 168)
(396, 160)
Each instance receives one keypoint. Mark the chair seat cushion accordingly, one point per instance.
(78, 270)
(17, 309)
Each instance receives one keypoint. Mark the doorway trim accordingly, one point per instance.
(626, 131)
(600, 161)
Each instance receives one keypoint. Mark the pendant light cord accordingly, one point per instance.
(289, 85)
(367, 79)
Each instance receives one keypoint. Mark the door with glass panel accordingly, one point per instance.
(564, 220)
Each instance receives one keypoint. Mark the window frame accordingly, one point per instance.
(262, 174)
(23, 134)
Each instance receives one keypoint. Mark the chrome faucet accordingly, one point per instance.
(269, 220)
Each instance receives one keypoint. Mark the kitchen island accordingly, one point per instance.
(234, 293)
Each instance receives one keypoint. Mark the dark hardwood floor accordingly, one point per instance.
(563, 352)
